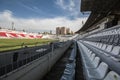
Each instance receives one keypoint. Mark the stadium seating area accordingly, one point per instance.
(3, 34)
(100, 53)
(17, 34)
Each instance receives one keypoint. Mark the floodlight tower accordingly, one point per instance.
(12, 25)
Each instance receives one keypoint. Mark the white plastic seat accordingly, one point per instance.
(89, 53)
(87, 56)
(100, 45)
(96, 62)
(104, 46)
(98, 73)
(89, 61)
(112, 76)
(109, 48)
(88, 50)
(116, 50)
(92, 57)
(97, 44)
(115, 53)
(93, 64)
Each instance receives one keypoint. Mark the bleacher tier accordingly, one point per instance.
(100, 53)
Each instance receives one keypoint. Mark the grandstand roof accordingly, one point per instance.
(99, 9)
(100, 6)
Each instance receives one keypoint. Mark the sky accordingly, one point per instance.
(41, 15)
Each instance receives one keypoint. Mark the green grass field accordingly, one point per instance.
(11, 44)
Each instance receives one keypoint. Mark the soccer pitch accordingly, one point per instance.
(12, 44)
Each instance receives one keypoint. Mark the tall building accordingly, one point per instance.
(68, 31)
(58, 31)
(63, 31)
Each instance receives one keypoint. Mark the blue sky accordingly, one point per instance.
(41, 15)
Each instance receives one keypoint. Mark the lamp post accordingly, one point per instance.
(12, 25)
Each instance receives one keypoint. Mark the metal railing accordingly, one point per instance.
(15, 65)
(11, 67)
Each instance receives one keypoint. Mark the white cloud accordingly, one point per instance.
(70, 6)
(31, 8)
(36, 24)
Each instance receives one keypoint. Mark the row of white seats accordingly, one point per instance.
(101, 34)
(94, 68)
(109, 50)
(111, 31)
(69, 71)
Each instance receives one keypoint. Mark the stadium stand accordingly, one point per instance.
(98, 45)
(5, 33)
(22, 35)
(12, 35)
(99, 40)
(39, 36)
(31, 36)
